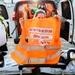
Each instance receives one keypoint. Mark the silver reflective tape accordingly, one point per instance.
(23, 46)
(20, 55)
(39, 47)
(40, 60)
(35, 48)
(52, 47)
(53, 56)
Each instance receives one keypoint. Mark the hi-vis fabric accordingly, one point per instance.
(43, 46)
(5, 24)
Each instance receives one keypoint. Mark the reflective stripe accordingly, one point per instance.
(39, 47)
(23, 46)
(40, 60)
(43, 48)
(52, 47)
(35, 48)
(53, 56)
(20, 55)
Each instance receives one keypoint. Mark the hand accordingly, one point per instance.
(21, 22)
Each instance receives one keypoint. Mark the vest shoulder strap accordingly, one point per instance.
(2, 21)
(1, 18)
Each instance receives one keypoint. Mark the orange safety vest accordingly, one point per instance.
(43, 45)
(53, 49)
(20, 53)
(33, 45)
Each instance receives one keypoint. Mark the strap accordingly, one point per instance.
(2, 21)
(20, 55)
(39, 47)
(53, 56)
